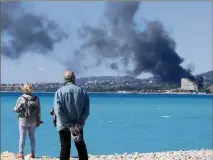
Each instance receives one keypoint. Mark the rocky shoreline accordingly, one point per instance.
(172, 155)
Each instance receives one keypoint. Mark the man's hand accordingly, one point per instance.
(38, 124)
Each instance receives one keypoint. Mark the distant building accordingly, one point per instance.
(187, 84)
(211, 88)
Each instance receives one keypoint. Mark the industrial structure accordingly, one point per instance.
(188, 85)
(211, 88)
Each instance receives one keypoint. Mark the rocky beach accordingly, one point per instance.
(172, 155)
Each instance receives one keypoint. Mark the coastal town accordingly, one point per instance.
(123, 84)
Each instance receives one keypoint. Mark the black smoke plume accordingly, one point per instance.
(23, 32)
(118, 38)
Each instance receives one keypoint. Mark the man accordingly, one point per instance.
(71, 106)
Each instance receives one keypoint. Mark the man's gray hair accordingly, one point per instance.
(69, 76)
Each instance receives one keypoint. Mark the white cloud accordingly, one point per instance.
(41, 69)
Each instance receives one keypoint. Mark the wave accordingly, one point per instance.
(113, 121)
(165, 116)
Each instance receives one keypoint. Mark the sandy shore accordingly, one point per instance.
(173, 155)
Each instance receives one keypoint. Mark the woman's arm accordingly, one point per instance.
(38, 112)
(18, 106)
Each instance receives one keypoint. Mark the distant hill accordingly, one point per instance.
(208, 76)
(113, 83)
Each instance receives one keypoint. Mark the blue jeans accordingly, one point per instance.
(23, 133)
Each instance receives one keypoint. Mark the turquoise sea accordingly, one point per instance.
(121, 123)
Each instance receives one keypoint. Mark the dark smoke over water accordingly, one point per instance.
(23, 32)
(151, 50)
(117, 40)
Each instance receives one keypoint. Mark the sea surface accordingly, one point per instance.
(120, 123)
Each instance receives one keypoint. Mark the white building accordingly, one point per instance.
(211, 88)
(187, 84)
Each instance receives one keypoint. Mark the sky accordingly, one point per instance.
(189, 23)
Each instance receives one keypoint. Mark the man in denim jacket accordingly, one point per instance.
(71, 106)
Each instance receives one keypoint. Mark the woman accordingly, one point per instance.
(28, 109)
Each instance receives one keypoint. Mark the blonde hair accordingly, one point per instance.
(27, 88)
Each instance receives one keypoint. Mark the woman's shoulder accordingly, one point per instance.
(21, 97)
(29, 97)
(35, 96)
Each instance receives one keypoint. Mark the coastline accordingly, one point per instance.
(139, 93)
(169, 155)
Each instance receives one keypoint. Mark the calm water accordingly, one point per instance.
(122, 123)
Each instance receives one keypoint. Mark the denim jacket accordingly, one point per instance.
(71, 105)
